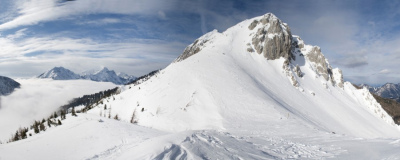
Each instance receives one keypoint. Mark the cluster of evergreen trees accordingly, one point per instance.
(89, 101)
(144, 78)
(38, 126)
(55, 119)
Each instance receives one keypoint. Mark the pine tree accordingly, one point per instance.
(109, 113)
(15, 137)
(105, 106)
(62, 114)
(55, 115)
(42, 127)
(49, 122)
(22, 132)
(116, 117)
(36, 127)
(133, 117)
(59, 122)
(73, 112)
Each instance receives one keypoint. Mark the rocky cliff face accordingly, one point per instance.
(196, 46)
(7, 85)
(320, 63)
(273, 38)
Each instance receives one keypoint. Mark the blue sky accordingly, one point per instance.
(361, 37)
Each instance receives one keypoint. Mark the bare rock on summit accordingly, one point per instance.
(273, 39)
(319, 60)
(196, 46)
(337, 77)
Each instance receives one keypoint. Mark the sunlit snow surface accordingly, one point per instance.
(224, 103)
(38, 98)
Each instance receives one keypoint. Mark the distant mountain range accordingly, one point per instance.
(388, 90)
(102, 75)
(7, 85)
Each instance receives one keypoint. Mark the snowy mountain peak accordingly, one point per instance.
(272, 38)
(389, 90)
(101, 75)
(253, 69)
(7, 85)
(59, 73)
(103, 69)
(105, 75)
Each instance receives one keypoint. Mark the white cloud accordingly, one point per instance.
(20, 33)
(103, 21)
(43, 53)
(38, 98)
(384, 71)
(32, 12)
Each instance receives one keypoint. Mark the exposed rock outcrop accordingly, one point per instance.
(298, 72)
(196, 46)
(320, 64)
(273, 38)
(337, 77)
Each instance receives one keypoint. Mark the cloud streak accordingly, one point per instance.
(71, 52)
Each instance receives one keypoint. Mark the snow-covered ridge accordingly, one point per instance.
(221, 99)
(249, 70)
(7, 85)
(59, 73)
(102, 75)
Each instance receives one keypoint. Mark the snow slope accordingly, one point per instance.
(225, 98)
(38, 98)
(223, 85)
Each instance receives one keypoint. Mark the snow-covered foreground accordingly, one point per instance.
(38, 98)
(225, 101)
(85, 137)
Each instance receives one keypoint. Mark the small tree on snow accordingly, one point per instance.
(36, 127)
(116, 117)
(15, 137)
(59, 122)
(109, 113)
(133, 117)
(42, 127)
(49, 123)
(73, 112)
